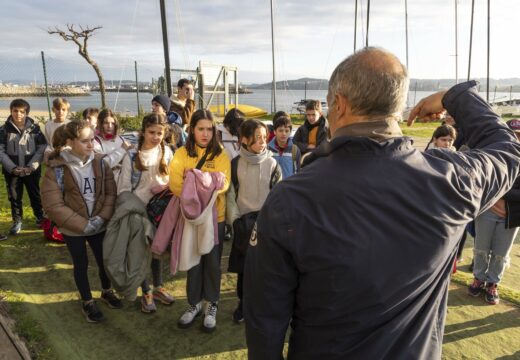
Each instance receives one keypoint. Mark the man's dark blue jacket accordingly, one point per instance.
(356, 251)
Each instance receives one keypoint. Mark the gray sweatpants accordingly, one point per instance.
(203, 281)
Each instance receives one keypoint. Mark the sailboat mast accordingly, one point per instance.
(355, 25)
(406, 29)
(406, 33)
(471, 36)
(456, 44)
(488, 46)
(368, 18)
(273, 104)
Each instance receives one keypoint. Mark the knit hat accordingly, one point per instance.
(164, 101)
(514, 124)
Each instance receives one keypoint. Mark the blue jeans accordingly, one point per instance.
(493, 244)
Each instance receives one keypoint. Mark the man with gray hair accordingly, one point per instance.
(355, 252)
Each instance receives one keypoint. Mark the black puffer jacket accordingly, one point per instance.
(22, 148)
(301, 137)
(355, 252)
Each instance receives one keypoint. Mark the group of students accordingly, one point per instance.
(93, 174)
(494, 230)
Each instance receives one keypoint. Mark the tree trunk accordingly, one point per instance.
(76, 37)
(101, 85)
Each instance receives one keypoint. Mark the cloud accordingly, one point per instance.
(311, 37)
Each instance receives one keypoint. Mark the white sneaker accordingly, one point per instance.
(210, 317)
(189, 315)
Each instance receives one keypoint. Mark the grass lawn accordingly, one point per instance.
(36, 279)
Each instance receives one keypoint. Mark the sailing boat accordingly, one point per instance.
(301, 105)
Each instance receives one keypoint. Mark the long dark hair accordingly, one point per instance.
(151, 120)
(444, 130)
(213, 149)
(103, 115)
(232, 121)
(248, 128)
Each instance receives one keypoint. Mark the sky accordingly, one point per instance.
(311, 37)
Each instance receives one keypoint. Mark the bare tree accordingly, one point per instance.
(80, 38)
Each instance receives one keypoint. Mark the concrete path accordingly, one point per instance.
(11, 346)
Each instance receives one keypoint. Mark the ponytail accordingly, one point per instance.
(138, 162)
(163, 166)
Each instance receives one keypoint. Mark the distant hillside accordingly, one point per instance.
(503, 85)
(312, 84)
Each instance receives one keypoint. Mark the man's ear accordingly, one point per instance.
(341, 105)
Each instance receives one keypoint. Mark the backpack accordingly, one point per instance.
(135, 175)
(50, 229)
(157, 205)
(294, 152)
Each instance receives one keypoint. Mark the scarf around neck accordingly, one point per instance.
(253, 158)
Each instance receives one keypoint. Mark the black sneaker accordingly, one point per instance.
(92, 313)
(16, 228)
(110, 298)
(476, 287)
(238, 315)
(3, 237)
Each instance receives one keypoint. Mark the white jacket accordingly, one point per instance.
(113, 149)
(198, 237)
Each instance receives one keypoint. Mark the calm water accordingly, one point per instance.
(127, 102)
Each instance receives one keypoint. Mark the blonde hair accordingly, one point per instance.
(60, 102)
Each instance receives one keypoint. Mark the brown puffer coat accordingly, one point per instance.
(184, 109)
(68, 208)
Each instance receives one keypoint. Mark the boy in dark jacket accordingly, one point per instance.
(314, 131)
(22, 145)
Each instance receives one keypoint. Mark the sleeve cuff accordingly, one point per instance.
(455, 91)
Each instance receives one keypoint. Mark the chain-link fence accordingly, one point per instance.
(66, 78)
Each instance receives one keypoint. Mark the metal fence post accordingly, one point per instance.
(46, 86)
(137, 89)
